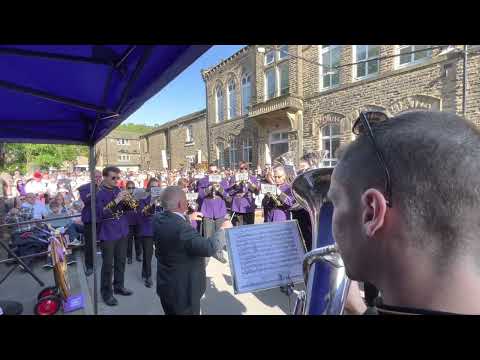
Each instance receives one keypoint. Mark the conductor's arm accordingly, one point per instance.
(197, 245)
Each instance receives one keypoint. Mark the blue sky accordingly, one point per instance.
(185, 94)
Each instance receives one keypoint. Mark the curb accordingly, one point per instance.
(88, 309)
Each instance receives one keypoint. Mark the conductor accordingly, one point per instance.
(180, 252)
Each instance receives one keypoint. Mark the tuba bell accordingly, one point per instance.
(324, 272)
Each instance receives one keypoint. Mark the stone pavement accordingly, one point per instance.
(21, 287)
(219, 298)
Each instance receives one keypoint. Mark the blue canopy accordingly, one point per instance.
(77, 94)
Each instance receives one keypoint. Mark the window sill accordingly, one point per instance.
(191, 143)
(367, 77)
(413, 63)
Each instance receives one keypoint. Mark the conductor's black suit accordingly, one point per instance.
(180, 252)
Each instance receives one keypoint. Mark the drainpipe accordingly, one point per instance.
(464, 102)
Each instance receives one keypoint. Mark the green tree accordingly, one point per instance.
(44, 156)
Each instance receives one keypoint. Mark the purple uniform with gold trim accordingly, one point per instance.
(242, 195)
(282, 213)
(112, 228)
(145, 221)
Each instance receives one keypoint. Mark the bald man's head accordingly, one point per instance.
(173, 198)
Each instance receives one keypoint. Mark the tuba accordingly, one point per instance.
(324, 273)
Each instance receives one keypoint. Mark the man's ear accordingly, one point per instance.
(374, 208)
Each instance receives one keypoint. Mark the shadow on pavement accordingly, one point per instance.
(220, 302)
(228, 279)
(271, 298)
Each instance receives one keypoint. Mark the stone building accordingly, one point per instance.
(121, 149)
(180, 143)
(265, 100)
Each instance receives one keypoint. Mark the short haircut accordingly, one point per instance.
(241, 163)
(110, 169)
(182, 182)
(171, 196)
(434, 164)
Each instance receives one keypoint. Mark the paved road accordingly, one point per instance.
(219, 298)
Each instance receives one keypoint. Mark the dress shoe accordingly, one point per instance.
(123, 291)
(129, 260)
(139, 258)
(148, 282)
(219, 256)
(111, 301)
(88, 272)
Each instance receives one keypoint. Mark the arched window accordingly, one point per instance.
(232, 99)
(247, 150)
(220, 155)
(233, 158)
(219, 103)
(246, 93)
(330, 141)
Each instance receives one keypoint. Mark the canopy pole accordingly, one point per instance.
(93, 196)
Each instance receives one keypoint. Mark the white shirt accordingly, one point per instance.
(34, 187)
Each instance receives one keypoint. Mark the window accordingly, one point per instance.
(246, 93)
(123, 157)
(408, 58)
(232, 99)
(232, 154)
(122, 142)
(189, 138)
(276, 73)
(219, 104)
(190, 159)
(247, 150)
(283, 75)
(363, 53)
(330, 141)
(269, 57)
(270, 84)
(278, 144)
(282, 52)
(330, 58)
(221, 158)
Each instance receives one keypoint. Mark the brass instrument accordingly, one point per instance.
(129, 203)
(310, 190)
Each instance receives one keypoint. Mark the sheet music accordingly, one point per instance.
(192, 196)
(241, 177)
(155, 191)
(214, 178)
(264, 256)
(269, 188)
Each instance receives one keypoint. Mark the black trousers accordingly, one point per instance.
(147, 244)
(243, 219)
(134, 238)
(113, 256)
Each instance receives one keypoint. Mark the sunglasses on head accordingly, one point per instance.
(364, 125)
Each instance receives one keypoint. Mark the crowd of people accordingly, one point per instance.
(404, 197)
(63, 200)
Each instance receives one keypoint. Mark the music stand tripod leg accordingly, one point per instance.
(21, 262)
